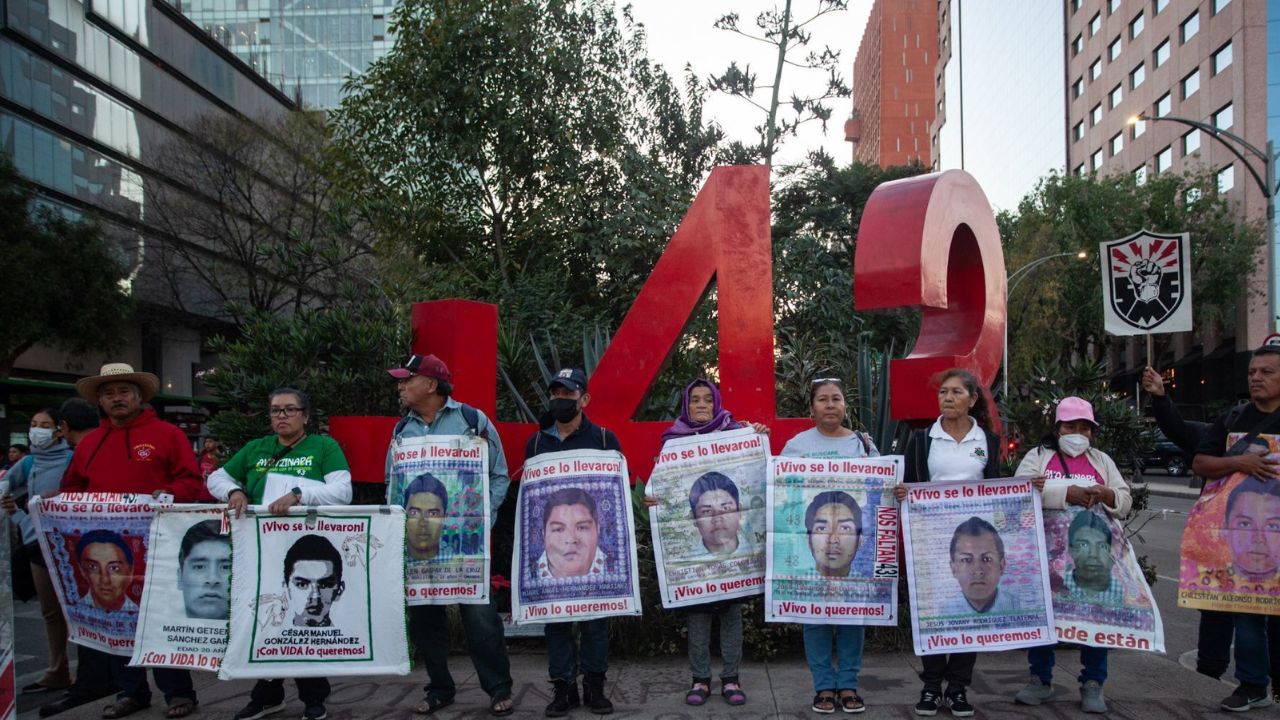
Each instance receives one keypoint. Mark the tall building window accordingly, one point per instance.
(1117, 144)
(1191, 26)
(1077, 45)
(1164, 159)
(1080, 172)
(1160, 5)
(1139, 129)
(1077, 87)
(1222, 59)
(1140, 175)
(1095, 24)
(1075, 5)
(1161, 54)
(1077, 132)
(1224, 118)
(1095, 162)
(1095, 69)
(1190, 142)
(1226, 178)
(1164, 105)
(1190, 84)
(1136, 26)
(1112, 6)
(1114, 98)
(1095, 115)
(1113, 50)
(1138, 76)
(1219, 4)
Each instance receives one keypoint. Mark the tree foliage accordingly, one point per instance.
(256, 223)
(64, 279)
(527, 154)
(1056, 317)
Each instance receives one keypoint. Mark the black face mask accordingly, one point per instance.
(564, 410)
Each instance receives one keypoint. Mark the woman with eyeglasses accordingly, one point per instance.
(290, 467)
(714, 504)
(829, 438)
(960, 445)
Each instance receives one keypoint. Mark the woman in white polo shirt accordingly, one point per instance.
(958, 446)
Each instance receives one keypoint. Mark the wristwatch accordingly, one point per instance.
(297, 492)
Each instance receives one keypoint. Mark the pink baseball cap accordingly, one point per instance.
(1074, 408)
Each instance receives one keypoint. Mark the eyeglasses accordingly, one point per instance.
(284, 412)
(823, 381)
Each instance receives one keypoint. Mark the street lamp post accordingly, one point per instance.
(1266, 182)
(1011, 282)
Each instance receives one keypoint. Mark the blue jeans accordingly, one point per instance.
(1253, 661)
(172, 683)
(563, 651)
(1093, 662)
(486, 643)
(817, 651)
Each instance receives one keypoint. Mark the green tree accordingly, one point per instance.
(527, 154)
(1057, 318)
(64, 280)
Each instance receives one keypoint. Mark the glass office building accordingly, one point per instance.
(307, 48)
(90, 92)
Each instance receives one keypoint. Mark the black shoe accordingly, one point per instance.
(314, 712)
(958, 704)
(254, 710)
(929, 702)
(593, 694)
(1246, 697)
(566, 698)
(67, 702)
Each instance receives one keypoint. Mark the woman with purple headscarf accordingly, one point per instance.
(702, 413)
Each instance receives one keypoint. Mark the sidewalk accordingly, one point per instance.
(1187, 486)
(1142, 685)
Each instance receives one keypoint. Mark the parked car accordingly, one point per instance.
(1167, 455)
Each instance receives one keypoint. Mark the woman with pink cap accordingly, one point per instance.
(1083, 476)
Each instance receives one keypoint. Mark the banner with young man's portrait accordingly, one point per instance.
(708, 527)
(303, 594)
(442, 482)
(95, 546)
(186, 599)
(575, 539)
(1100, 596)
(833, 541)
(976, 566)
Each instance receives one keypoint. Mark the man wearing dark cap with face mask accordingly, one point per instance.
(425, 387)
(565, 427)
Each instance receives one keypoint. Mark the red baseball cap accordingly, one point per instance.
(424, 365)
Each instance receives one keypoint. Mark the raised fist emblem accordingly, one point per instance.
(1145, 277)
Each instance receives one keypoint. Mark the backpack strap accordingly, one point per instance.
(604, 439)
(472, 416)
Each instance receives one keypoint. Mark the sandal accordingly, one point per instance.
(732, 693)
(180, 708)
(122, 707)
(851, 702)
(697, 695)
(824, 703)
(431, 704)
(502, 707)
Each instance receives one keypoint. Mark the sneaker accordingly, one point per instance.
(1245, 698)
(254, 710)
(1091, 700)
(1036, 692)
(958, 704)
(314, 712)
(929, 702)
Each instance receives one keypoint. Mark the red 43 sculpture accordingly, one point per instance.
(929, 242)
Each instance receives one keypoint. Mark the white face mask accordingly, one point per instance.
(40, 437)
(1074, 445)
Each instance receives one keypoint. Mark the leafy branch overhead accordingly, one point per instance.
(780, 29)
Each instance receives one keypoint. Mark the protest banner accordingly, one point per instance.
(442, 482)
(976, 566)
(302, 594)
(8, 684)
(1100, 596)
(709, 525)
(1231, 542)
(186, 599)
(575, 544)
(95, 546)
(833, 541)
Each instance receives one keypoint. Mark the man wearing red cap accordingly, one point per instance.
(425, 387)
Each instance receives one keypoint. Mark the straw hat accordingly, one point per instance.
(147, 383)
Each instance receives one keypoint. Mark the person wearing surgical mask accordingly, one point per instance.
(1084, 477)
(41, 475)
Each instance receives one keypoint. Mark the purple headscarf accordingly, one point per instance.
(721, 419)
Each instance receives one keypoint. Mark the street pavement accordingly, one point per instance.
(1141, 685)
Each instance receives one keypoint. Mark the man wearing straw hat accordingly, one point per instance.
(134, 451)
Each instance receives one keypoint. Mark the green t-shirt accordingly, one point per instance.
(313, 458)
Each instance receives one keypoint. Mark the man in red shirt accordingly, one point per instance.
(133, 451)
